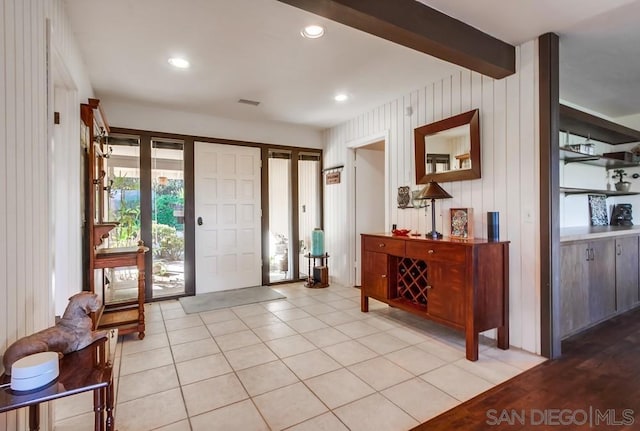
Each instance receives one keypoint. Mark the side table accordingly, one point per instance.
(89, 369)
(320, 275)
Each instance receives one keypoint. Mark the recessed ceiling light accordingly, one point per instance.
(312, 31)
(340, 97)
(178, 62)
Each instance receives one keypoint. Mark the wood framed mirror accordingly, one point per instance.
(449, 149)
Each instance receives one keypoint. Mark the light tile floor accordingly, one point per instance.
(311, 361)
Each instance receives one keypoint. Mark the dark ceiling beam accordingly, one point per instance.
(417, 26)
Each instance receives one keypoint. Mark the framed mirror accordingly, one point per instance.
(449, 149)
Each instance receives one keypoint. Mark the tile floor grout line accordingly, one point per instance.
(251, 398)
(175, 367)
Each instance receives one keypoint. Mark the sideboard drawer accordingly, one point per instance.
(394, 247)
(442, 252)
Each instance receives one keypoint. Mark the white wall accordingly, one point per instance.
(136, 116)
(509, 183)
(26, 169)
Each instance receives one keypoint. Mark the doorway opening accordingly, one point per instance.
(369, 209)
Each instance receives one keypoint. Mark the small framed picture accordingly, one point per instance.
(461, 222)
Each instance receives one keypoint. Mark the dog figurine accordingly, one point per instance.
(71, 332)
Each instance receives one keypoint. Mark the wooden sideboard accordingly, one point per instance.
(463, 284)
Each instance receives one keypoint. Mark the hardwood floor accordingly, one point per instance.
(594, 385)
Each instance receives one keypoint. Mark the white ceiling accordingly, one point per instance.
(252, 49)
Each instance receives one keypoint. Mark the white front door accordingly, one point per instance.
(227, 211)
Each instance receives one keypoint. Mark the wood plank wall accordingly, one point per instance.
(26, 232)
(509, 183)
(25, 297)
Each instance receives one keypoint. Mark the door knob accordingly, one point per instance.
(199, 221)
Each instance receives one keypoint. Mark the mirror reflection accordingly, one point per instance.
(449, 149)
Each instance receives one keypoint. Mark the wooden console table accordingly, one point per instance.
(462, 283)
(89, 369)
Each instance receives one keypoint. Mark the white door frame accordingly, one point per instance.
(351, 192)
(64, 184)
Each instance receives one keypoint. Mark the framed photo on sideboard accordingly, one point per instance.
(461, 222)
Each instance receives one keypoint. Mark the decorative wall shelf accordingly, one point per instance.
(576, 191)
(570, 156)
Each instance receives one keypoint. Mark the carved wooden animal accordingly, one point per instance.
(71, 332)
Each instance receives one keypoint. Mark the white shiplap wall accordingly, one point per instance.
(509, 183)
(26, 168)
(25, 297)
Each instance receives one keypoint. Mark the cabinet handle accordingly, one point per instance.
(381, 245)
(429, 286)
(588, 255)
(593, 255)
(619, 250)
(384, 276)
(431, 252)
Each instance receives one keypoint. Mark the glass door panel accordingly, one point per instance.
(309, 217)
(279, 216)
(121, 204)
(167, 217)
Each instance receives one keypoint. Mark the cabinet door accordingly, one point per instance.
(375, 280)
(445, 298)
(574, 282)
(602, 280)
(626, 272)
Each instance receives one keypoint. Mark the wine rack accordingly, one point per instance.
(412, 280)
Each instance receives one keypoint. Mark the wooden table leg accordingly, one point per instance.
(110, 420)
(98, 409)
(503, 337)
(34, 417)
(472, 340)
(364, 302)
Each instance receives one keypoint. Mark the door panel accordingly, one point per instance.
(602, 280)
(227, 197)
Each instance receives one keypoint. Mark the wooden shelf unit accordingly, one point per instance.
(583, 124)
(463, 284)
(97, 256)
(587, 125)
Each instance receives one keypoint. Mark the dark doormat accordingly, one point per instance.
(228, 298)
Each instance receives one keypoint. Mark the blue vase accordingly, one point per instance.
(317, 242)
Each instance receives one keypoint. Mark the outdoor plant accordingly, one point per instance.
(166, 242)
(128, 218)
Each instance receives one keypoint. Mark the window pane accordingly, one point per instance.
(167, 215)
(279, 216)
(309, 204)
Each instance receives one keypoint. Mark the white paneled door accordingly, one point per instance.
(227, 211)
